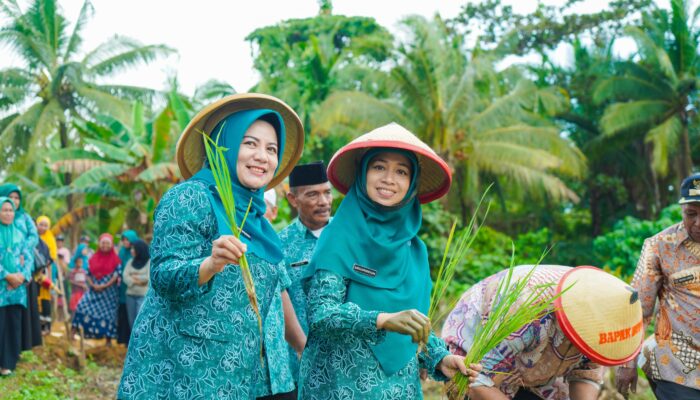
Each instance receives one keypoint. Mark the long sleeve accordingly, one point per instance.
(28, 254)
(330, 315)
(182, 240)
(126, 276)
(648, 277)
(435, 350)
(31, 234)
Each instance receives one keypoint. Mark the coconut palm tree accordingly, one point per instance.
(55, 85)
(483, 126)
(655, 96)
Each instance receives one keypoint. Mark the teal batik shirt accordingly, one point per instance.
(191, 341)
(25, 225)
(338, 363)
(18, 296)
(298, 245)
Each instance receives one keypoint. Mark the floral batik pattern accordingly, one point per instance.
(191, 341)
(338, 362)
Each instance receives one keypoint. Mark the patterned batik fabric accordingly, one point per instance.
(338, 363)
(538, 356)
(669, 271)
(17, 296)
(97, 311)
(200, 342)
(298, 245)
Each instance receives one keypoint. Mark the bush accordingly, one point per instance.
(619, 249)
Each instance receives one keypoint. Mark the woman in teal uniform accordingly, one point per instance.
(197, 336)
(14, 272)
(369, 279)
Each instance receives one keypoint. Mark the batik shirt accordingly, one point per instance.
(25, 225)
(298, 244)
(669, 270)
(191, 341)
(18, 295)
(538, 356)
(338, 363)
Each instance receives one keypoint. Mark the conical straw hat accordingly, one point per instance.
(435, 176)
(601, 315)
(190, 152)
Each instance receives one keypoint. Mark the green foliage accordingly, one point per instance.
(619, 249)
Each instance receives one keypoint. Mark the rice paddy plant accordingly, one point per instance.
(222, 177)
(512, 309)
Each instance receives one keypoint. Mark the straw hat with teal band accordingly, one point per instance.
(601, 315)
(190, 153)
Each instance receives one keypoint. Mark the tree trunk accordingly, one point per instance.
(67, 180)
(656, 204)
(686, 162)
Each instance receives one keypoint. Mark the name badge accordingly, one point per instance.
(364, 270)
(683, 279)
(299, 264)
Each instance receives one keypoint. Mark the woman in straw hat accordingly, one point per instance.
(596, 322)
(197, 335)
(369, 279)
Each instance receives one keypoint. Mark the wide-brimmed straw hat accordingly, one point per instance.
(601, 315)
(190, 152)
(435, 176)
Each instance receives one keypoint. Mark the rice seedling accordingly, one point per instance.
(222, 177)
(513, 308)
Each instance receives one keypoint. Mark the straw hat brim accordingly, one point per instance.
(190, 153)
(585, 336)
(435, 175)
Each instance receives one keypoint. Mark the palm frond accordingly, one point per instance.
(75, 39)
(111, 152)
(165, 171)
(665, 138)
(351, 113)
(101, 173)
(120, 53)
(640, 115)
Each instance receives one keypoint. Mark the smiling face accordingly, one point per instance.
(7, 213)
(106, 244)
(257, 156)
(388, 178)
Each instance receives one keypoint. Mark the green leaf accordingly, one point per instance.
(102, 173)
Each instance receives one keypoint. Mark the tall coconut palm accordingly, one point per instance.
(654, 97)
(56, 85)
(482, 126)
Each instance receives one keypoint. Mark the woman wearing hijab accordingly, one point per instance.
(48, 276)
(123, 322)
(31, 325)
(97, 310)
(14, 271)
(369, 279)
(196, 329)
(135, 278)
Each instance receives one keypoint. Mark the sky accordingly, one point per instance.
(209, 35)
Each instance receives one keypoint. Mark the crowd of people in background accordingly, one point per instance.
(99, 291)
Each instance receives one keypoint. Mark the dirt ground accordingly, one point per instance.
(53, 371)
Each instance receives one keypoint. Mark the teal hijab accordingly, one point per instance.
(377, 248)
(6, 189)
(258, 234)
(7, 240)
(124, 253)
(79, 254)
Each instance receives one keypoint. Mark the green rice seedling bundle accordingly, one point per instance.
(512, 310)
(447, 268)
(222, 177)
